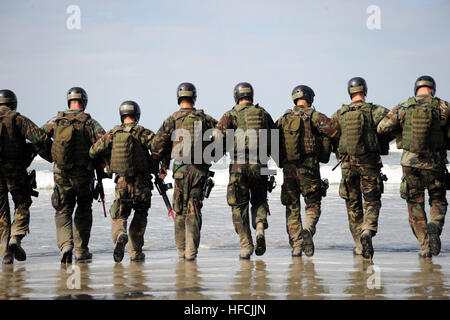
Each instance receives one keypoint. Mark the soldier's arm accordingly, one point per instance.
(390, 124)
(101, 147)
(161, 143)
(37, 136)
(326, 126)
(282, 148)
(49, 127)
(95, 130)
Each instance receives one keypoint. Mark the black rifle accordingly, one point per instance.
(271, 184)
(324, 185)
(99, 191)
(32, 185)
(162, 189)
(209, 184)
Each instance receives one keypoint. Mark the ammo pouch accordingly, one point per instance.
(354, 122)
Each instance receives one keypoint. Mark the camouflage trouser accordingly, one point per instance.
(72, 188)
(131, 193)
(412, 189)
(15, 182)
(189, 181)
(300, 181)
(247, 185)
(359, 181)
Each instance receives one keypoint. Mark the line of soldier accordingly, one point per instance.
(359, 133)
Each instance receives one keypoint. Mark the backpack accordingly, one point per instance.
(298, 136)
(70, 145)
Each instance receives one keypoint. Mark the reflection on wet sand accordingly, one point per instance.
(130, 282)
(188, 282)
(251, 281)
(12, 283)
(363, 280)
(303, 281)
(428, 282)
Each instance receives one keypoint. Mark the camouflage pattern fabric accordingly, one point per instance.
(303, 178)
(420, 172)
(14, 179)
(412, 189)
(131, 193)
(361, 178)
(72, 188)
(247, 185)
(187, 203)
(189, 180)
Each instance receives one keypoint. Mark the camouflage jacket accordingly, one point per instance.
(393, 124)
(103, 147)
(163, 144)
(370, 159)
(322, 126)
(94, 131)
(27, 130)
(229, 121)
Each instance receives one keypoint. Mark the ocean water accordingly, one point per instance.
(217, 229)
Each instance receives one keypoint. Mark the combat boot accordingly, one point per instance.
(119, 248)
(307, 243)
(139, 257)
(16, 249)
(66, 256)
(366, 242)
(424, 254)
(83, 257)
(435, 241)
(260, 239)
(297, 251)
(246, 252)
(8, 259)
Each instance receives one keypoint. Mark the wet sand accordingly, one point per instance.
(220, 274)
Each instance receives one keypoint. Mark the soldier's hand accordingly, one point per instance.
(162, 174)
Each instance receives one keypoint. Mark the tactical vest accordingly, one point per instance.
(129, 156)
(359, 134)
(299, 138)
(421, 127)
(250, 119)
(12, 144)
(192, 123)
(71, 145)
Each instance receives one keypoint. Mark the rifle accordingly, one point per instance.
(32, 185)
(209, 184)
(162, 189)
(99, 191)
(340, 161)
(324, 185)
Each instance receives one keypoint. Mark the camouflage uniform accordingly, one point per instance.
(421, 171)
(132, 192)
(302, 176)
(361, 176)
(246, 183)
(13, 174)
(189, 180)
(74, 187)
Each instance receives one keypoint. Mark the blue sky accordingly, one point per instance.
(141, 50)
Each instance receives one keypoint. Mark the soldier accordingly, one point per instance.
(15, 157)
(73, 132)
(247, 184)
(304, 136)
(126, 146)
(189, 172)
(420, 125)
(359, 151)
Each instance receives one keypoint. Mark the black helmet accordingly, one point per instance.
(130, 108)
(425, 81)
(356, 85)
(243, 90)
(77, 93)
(303, 92)
(186, 90)
(9, 98)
